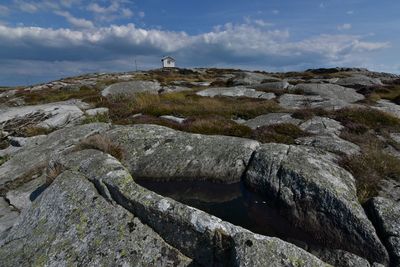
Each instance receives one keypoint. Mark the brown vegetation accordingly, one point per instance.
(102, 143)
(278, 133)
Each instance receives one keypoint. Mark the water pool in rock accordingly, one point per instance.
(232, 203)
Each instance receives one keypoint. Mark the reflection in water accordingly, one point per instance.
(232, 203)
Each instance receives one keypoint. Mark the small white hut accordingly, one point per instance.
(168, 62)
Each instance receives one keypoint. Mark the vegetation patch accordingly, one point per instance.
(100, 117)
(369, 168)
(102, 143)
(216, 125)
(285, 133)
(360, 120)
(3, 159)
(87, 94)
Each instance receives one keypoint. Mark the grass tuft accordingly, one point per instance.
(102, 143)
(285, 133)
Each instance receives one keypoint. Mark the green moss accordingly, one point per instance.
(3, 159)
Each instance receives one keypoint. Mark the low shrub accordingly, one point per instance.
(369, 168)
(362, 119)
(279, 133)
(215, 125)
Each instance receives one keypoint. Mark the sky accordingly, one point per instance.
(44, 40)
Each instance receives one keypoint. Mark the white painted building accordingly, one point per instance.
(168, 62)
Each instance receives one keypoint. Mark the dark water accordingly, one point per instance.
(232, 203)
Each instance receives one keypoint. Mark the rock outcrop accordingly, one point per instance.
(131, 88)
(160, 153)
(235, 92)
(316, 194)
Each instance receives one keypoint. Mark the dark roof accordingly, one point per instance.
(168, 57)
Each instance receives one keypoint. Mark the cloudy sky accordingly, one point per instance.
(42, 40)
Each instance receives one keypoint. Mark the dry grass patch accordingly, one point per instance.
(285, 133)
(369, 168)
(183, 104)
(103, 117)
(87, 94)
(215, 125)
(54, 169)
(102, 143)
(359, 120)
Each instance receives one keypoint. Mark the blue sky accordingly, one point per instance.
(43, 40)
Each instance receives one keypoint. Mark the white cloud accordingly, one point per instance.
(76, 22)
(230, 45)
(114, 10)
(24, 6)
(4, 10)
(346, 26)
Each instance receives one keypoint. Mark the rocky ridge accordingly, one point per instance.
(70, 173)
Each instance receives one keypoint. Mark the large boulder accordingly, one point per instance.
(131, 88)
(359, 81)
(206, 239)
(385, 214)
(161, 153)
(280, 86)
(322, 126)
(72, 224)
(270, 119)
(251, 78)
(331, 143)
(235, 92)
(330, 92)
(317, 195)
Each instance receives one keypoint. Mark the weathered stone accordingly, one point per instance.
(359, 80)
(22, 197)
(131, 88)
(341, 258)
(173, 118)
(280, 86)
(55, 115)
(96, 111)
(330, 143)
(251, 78)
(71, 224)
(270, 119)
(30, 162)
(206, 239)
(389, 188)
(388, 107)
(161, 153)
(292, 101)
(316, 194)
(8, 215)
(330, 92)
(235, 92)
(321, 126)
(384, 213)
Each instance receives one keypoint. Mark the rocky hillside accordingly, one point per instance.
(202, 167)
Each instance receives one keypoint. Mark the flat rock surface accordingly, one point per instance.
(321, 126)
(330, 91)
(270, 119)
(388, 107)
(54, 115)
(8, 215)
(235, 92)
(131, 88)
(331, 143)
(161, 153)
(293, 101)
(316, 193)
(30, 162)
(251, 78)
